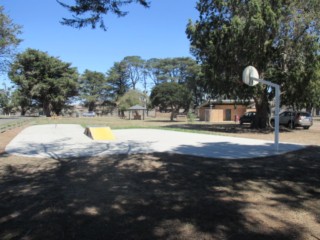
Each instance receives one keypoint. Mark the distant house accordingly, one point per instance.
(223, 110)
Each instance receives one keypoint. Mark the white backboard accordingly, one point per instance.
(248, 73)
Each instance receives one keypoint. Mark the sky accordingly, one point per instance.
(156, 32)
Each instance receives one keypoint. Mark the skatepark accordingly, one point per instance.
(70, 141)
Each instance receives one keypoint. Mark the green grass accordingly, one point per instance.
(148, 123)
(117, 123)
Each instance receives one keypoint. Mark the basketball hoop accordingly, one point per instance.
(250, 76)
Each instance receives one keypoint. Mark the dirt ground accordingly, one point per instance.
(164, 196)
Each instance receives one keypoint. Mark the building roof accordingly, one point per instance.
(137, 107)
(223, 102)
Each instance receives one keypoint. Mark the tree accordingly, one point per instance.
(134, 66)
(195, 82)
(91, 12)
(21, 101)
(6, 103)
(131, 98)
(8, 39)
(45, 79)
(302, 82)
(93, 87)
(171, 69)
(117, 77)
(181, 70)
(153, 70)
(314, 87)
(12, 100)
(277, 37)
(171, 95)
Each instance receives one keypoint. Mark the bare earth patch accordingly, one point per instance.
(160, 196)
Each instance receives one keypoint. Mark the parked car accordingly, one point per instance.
(292, 119)
(89, 114)
(248, 117)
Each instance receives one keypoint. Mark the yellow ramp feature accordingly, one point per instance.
(99, 133)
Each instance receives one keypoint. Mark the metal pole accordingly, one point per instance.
(277, 109)
(276, 118)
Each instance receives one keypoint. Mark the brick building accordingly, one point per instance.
(223, 110)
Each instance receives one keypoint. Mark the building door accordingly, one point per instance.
(207, 116)
(228, 115)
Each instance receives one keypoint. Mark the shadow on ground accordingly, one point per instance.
(162, 196)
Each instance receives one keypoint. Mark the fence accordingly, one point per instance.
(14, 124)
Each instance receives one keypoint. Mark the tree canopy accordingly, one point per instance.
(131, 98)
(93, 88)
(45, 79)
(280, 38)
(6, 101)
(8, 39)
(134, 65)
(118, 79)
(171, 95)
(177, 69)
(184, 70)
(91, 12)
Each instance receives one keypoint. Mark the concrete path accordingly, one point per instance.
(68, 140)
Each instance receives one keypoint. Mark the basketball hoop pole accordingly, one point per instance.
(277, 109)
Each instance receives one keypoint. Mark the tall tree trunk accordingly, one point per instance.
(91, 106)
(57, 112)
(309, 108)
(47, 109)
(23, 111)
(263, 110)
(172, 115)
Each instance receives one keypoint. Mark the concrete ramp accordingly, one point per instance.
(99, 133)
